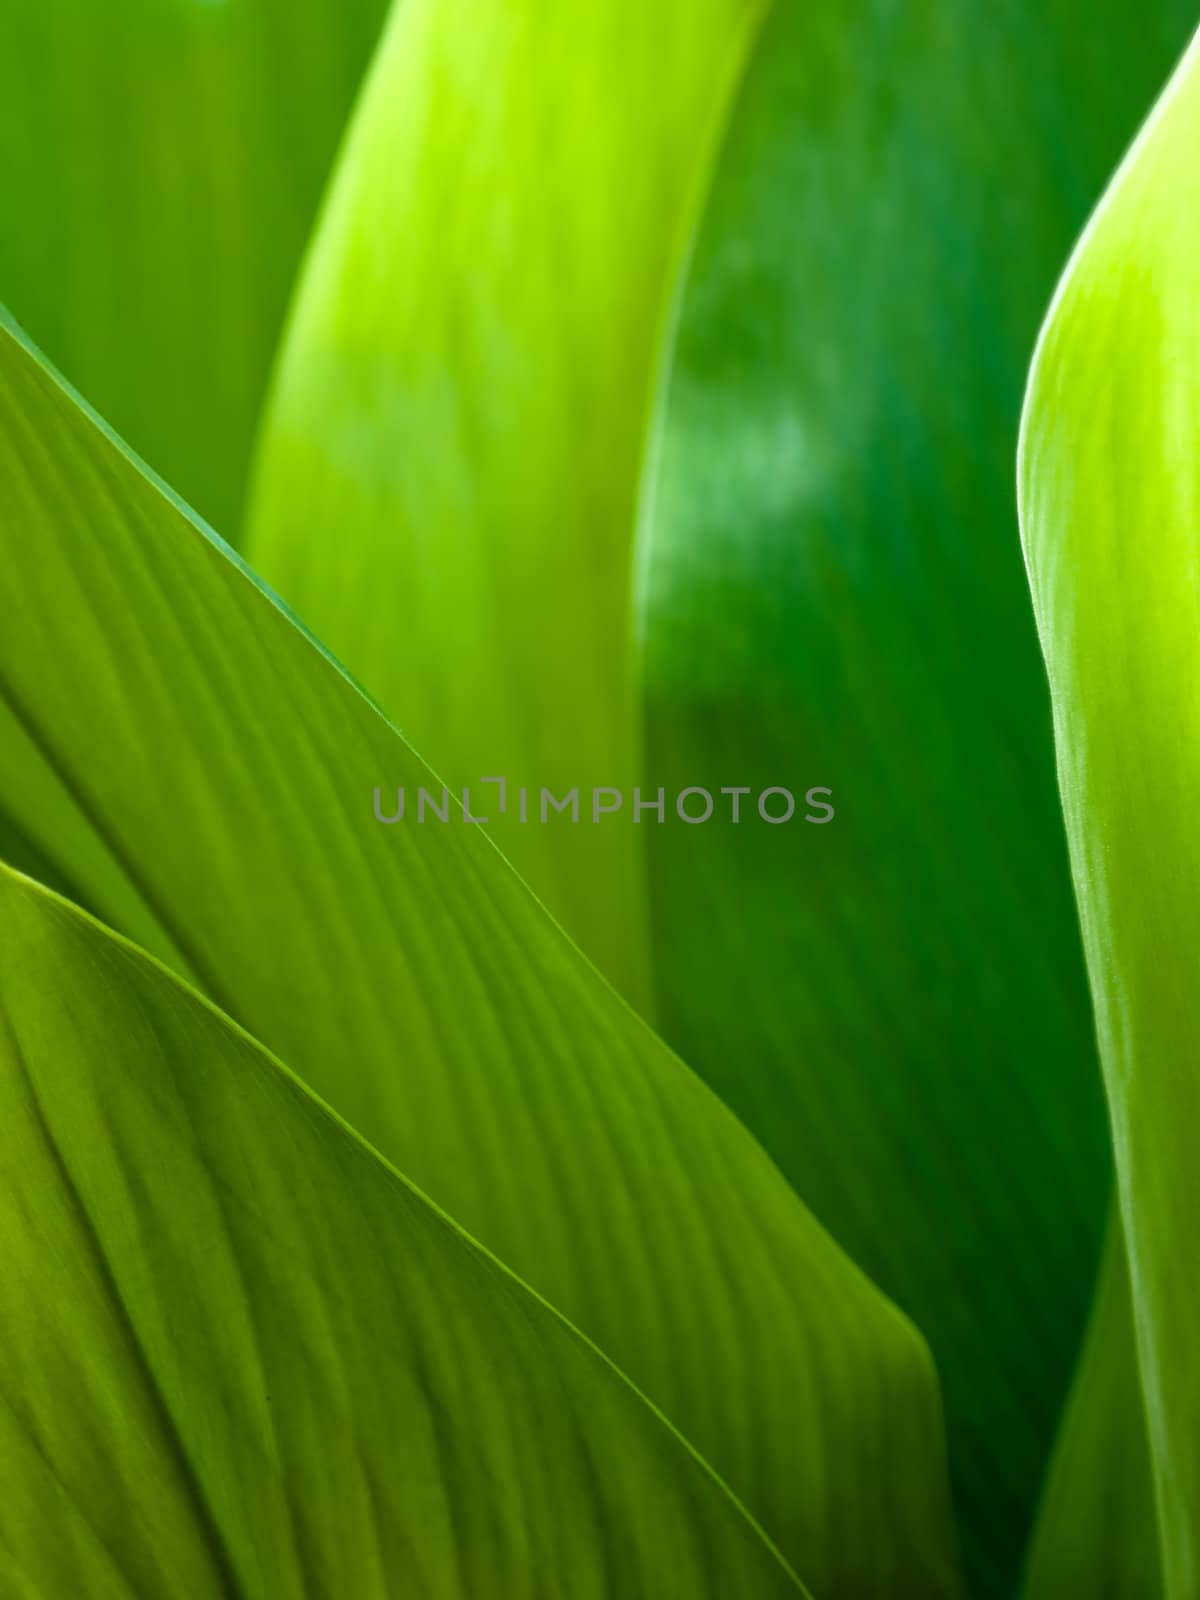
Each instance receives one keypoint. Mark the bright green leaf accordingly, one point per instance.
(832, 596)
(1110, 512)
(242, 1357)
(161, 162)
(447, 483)
(414, 982)
(1097, 1532)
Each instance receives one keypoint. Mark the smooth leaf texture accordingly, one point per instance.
(161, 162)
(1097, 1530)
(242, 1357)
(446, 487)
(408, 975)
(1110, 515)
(831, 594)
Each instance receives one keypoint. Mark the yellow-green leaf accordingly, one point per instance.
(1110, 512)
(447, 481)
(1097, 1531)
(222, 767)
(245, 1360)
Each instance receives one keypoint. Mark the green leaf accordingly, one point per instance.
(831, 596)
(18, 851)
(161, 162)
(1097, 1531)
(244, 1357)
(1109, 512)
(226, 766)
(447, 481)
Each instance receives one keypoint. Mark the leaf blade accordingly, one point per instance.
(1098, 1525)
(161, 165)
(1105, 455)
(831, 596)
(259, 1363)
(415, 983)
(446, 480)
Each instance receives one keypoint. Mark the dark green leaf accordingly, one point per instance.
(832, 596)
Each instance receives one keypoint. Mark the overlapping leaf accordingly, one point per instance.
(1110, 514)
(447, 482)
(161, 162)
(1097, 1530)
(243, 1358)
(831, 595)
(415, 983)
